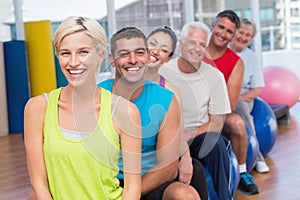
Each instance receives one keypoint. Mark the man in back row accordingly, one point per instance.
(231, 65)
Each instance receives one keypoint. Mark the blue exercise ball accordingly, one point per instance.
(212, 194)
(265, 125)
(252, 150)
(235, 172)
(235, 178)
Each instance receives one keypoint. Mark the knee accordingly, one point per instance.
(180, 191)
(187, 193)
(237, 125)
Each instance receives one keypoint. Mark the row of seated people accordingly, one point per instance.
(213, 101)
(191, 111)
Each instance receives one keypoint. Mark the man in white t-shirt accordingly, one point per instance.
(205, 104)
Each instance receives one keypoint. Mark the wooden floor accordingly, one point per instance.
(14, 180)
(282, 182)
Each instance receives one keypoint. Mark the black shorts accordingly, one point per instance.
(155, 194)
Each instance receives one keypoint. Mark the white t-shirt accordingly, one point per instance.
(203, 92)
(253, 73)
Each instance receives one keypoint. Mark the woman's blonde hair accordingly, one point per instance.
(76, 24)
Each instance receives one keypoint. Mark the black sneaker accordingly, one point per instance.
(247, 185)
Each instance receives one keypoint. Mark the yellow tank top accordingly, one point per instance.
(82, 168)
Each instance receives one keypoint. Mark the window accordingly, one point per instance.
(295, 27)
(294, 12)
(267, 14)
(296, 39)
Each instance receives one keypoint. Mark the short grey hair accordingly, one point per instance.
(194, 25)
(248, 23)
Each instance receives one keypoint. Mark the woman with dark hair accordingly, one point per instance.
(161, 48)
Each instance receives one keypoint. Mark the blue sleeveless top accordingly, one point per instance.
(153, 104)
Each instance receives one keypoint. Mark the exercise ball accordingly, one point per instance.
(212, 194)
(265, 125)
(252, 150)
(235, 178)
(235, 171)
(282, 86)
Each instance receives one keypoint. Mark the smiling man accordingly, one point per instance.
(160, 117)
(231, 65)
(205, 103)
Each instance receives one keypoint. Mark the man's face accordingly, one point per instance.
(193, 46)
(130, 59)
(223, 32)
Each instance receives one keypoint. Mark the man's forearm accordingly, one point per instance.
(157, 176)
(215, 124)
(250, 95)
(192, 133)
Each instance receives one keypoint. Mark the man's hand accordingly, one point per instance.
(185, 169)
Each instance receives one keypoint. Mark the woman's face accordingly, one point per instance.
(242, 38)
(159, 48)
(78, 58)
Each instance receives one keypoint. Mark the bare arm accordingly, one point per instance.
(192, 133)
(127, 123)
(215, 124)
(234, 84)
(167, 151)
(34, 115)
(250, 95)
(185, 168)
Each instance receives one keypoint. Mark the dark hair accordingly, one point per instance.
(168, 31)
(128, 33)
(229, 14)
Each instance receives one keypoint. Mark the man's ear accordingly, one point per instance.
(111, 60)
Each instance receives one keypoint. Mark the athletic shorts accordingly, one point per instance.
(155, 194)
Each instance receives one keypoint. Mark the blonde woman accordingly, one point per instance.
(74, 134)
